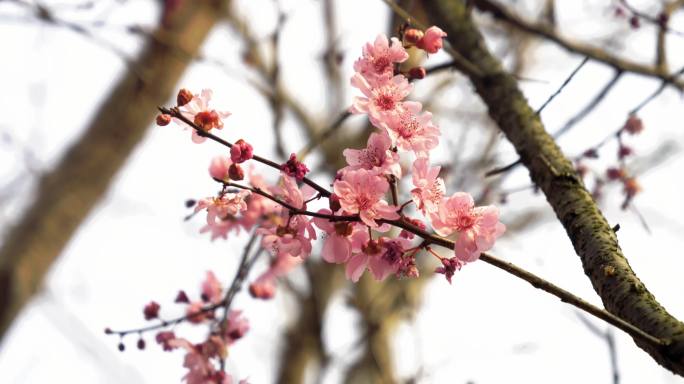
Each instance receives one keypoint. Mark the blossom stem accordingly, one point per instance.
(534, 280)
(176, 113)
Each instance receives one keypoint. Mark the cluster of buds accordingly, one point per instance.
(619, 172)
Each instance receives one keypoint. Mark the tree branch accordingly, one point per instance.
(592, 237)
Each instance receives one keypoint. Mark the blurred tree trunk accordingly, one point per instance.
(66, 194)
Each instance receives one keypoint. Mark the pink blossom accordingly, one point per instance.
(382, 258)
(412, 131)
(211, 289)
(200, 369)
(241, 151)
(361, 192)
(378, 59)
(258, 206)
(381, 99)
(163, 338)
(342, 238)
(429, 188)
(237, 326)
(377, 155)
(198, 111)
(218, 168)
(449, 267)
(285, 234)
(432, 40)
(224, 207)
(477, 227)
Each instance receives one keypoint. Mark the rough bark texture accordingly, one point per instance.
(594, 241)
(68, 193)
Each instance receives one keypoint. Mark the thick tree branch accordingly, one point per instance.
(592, 237)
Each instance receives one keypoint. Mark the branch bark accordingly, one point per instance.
(595, 242)
(69, 192)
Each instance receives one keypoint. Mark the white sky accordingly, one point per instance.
(487, 327)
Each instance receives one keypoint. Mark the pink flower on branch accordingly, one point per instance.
(377, 62)
(382, 258)
(377, 155)
(412, 131)
(342, 238)
(198, 111)
(429, 188)
(361, 191)
(287, 234)
(382, 99)
(431, 42)
(477, 227)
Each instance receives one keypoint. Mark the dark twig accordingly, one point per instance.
(560, 89)
(176, 113)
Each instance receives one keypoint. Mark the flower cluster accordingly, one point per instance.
(363, 205)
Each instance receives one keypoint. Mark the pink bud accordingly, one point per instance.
(416, 73)
(163, 119)
(294, 168)
(235, 172)
(432, 40)
(412, 36)
(151, 310)
(241, 151)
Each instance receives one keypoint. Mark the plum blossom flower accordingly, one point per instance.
(289, 234)
(429, 188)
(198, 111)
(236, 327)
(412, 131)
(431, 42)
(477, 227)
(211, 289)
(361, 191)
(377, 61)
(258, 206)
(377, 155)
(224, 206)
(342, 238)
(381, 257)
(382, 99)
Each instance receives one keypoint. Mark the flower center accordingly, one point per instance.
(385, 102)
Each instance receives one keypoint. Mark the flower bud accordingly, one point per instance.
(412, 36)
(163, 119)
(633, 125)
(235, 172)
(416, 73)
(184, 97)
(241, 151)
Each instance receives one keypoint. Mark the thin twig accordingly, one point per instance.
(176, 113)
